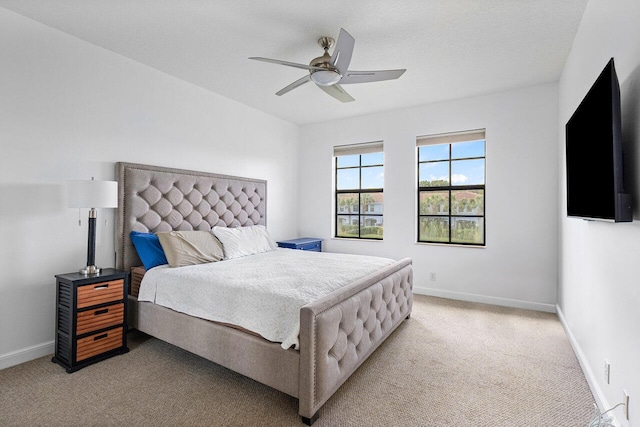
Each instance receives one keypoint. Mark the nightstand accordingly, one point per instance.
(91, 318)
(304, 243)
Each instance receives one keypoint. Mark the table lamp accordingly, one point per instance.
(92, 194)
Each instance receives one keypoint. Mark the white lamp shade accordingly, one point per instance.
(92, 194)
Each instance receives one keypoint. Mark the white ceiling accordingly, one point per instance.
(450, 48)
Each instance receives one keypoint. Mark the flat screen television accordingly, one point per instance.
(595, 175)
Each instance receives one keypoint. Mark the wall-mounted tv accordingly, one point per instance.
(595, 176)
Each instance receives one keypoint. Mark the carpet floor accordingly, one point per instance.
(452, 363)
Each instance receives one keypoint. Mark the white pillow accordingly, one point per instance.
(243, 241)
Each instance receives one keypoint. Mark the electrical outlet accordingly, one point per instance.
(433, 276)
(607, 371)
(625, 399)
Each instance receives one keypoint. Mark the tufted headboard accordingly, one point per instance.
(155, 198)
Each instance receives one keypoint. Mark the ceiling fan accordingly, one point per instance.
(329, 72)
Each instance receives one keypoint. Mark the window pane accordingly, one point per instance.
(467, 230)
(467, 202)
(371, 203)
(434, 229)
(347, 226)
(359, 196)
(373, 177)
(447, 212)
(461, 150)
(433, 152)
(371, 227)
(373, 159)
(434, 174)
(467, 172)
(345, 161)
(434, 202)
(347, 203)
(347, 179)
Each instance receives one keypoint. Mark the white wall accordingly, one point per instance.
(599, 286)
(519, 265)
(70, 110)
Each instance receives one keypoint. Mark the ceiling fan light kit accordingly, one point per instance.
(325, 77)
(327, 71)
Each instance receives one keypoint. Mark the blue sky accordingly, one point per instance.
(464, 172)
(372, 177)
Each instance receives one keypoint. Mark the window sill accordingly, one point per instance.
(452, 245)
(350, 239)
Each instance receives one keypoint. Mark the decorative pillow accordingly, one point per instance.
(149, 250)
(190, 247)
(243, 241)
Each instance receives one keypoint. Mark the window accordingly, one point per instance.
(451, 188)
(359, 190)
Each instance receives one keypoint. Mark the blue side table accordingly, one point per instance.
(304, 244)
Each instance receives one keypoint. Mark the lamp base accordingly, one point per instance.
(90, 270)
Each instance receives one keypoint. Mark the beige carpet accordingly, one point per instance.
(452, 364)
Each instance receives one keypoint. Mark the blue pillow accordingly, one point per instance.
(149, 249)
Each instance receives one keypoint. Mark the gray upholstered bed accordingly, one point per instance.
(362, 314)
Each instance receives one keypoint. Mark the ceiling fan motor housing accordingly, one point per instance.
(329, 76)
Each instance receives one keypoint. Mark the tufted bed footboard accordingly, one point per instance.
(339, 331)
(337, 334)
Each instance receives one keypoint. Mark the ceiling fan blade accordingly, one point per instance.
(370, 76)
(294, 85)
(288, 64)
(337, 92)
(341, 57)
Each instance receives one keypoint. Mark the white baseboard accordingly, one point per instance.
(601, 400)
(505, 302)
(26, 354)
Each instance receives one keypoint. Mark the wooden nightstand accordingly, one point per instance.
(91, 317)
(304, 244)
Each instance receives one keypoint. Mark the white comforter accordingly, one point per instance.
(262, 293)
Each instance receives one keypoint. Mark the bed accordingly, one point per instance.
(338, 331)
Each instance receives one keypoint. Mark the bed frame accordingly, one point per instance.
(337, 332)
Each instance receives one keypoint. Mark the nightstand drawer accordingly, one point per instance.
(99, 318)
(99, 293)
(315, 246)
(98, 343)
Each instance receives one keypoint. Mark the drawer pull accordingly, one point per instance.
(99, 337)
(99, 312)
(100, 287)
